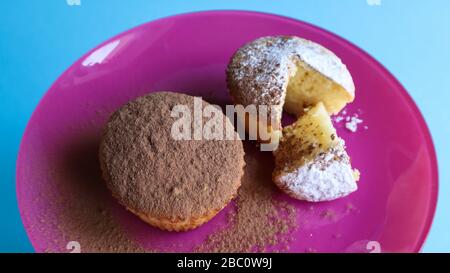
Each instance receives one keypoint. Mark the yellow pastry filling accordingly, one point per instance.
(303, 140)
(307, 87)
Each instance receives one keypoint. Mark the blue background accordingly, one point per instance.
(39, 39)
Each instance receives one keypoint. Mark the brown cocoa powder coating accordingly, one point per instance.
(261, 222)
(150, 172)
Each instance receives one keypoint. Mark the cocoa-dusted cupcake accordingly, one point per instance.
(171, 184)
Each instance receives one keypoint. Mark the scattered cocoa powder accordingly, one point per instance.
(260, 222)
(80, 208)
(328, 214)
(85, 208)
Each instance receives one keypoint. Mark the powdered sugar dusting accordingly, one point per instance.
(352, 122)
(338, 119)
(262, 68)
(327, 177)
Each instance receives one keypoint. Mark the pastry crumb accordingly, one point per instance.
(352, 122)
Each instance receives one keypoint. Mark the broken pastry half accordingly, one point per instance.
(311, 161)
(306, 80)
(286, 72)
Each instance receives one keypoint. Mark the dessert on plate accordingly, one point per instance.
(311, 162)
(287, 73)
(174, 185)
(308, 81)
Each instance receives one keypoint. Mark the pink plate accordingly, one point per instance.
(188, 53)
